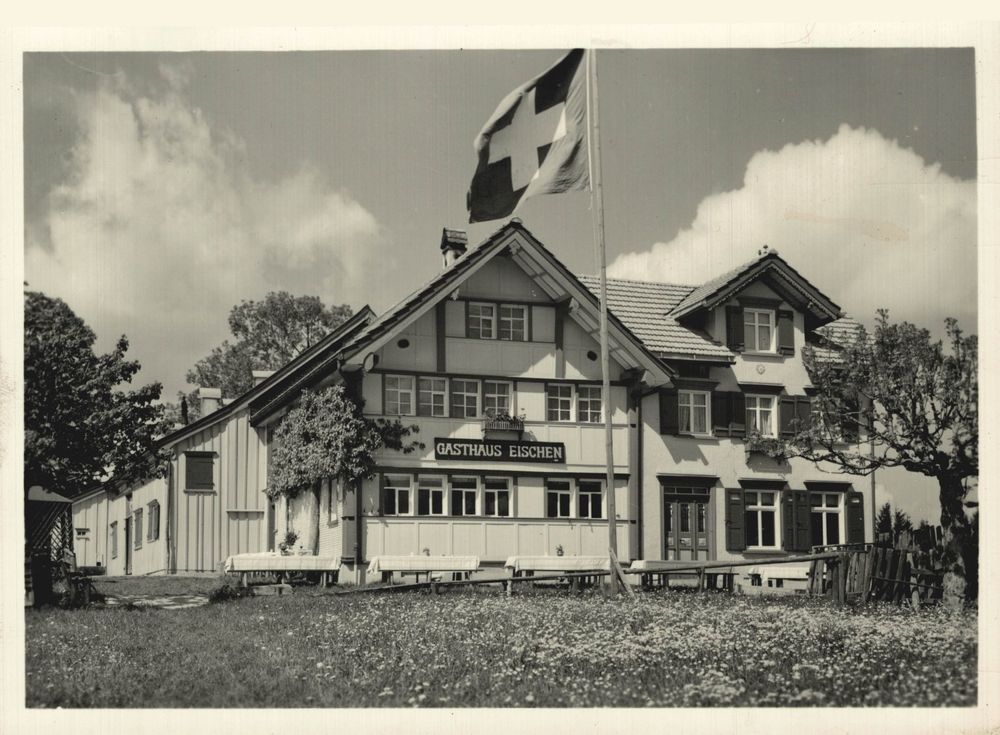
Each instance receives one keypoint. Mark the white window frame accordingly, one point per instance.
(397, 491)
(453, 392)
(758, 508)
(400, 390)
(823, 510)
(567, 492)
(756, 412)
(586, 415)
(433, 391)
(570, 399)
(464, 492)
(427, 482)
(495, 492)
(752, 321)
(481, 319)
(486, 394)
(523, 319)
(685, 400)
(599, 491)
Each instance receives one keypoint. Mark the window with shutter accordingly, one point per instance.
(738, 414)
(200, 470)
(735, 535)
(669, 423)
(786, 333)
(786, 416)
(734, 328)
(720, 413)
(855, 518)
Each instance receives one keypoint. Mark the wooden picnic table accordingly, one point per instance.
(578, 566)
(281, 565)
(387, 565)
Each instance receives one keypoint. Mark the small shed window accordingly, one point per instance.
(137, 525)
(153, 524)
(113, 538)
(200, 472)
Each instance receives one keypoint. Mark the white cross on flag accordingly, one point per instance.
(534, 143)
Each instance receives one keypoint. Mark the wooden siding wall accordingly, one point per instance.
(231, 519)
(91, 514)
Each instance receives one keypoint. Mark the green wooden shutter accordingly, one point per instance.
(803, 521)
(721, 404)
(786, 415)
(737, 414)
(669, 423)
(788, 520)
(786, 333)
(735, 537)
(734, 328)
(803, 412)
(855, 518)
(199, 471)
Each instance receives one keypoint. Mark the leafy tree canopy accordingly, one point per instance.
(78, 425)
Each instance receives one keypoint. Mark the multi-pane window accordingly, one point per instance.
(513, 322)
(559, 402)
(557, 498)
(588, 404)
(137, 528)
(464, 399)
(693, 407)
(496, 497)
(825, 518)
(399, 395)
(463, 496)
(589, 495)
(758, 330)
(430, 496)
(431, 396)
(496, 397)
(396, 498)
(760, 414)
(113, 539)
(761, 519)
(482, 321)
(153, 525)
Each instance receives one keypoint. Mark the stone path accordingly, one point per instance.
(164, 602)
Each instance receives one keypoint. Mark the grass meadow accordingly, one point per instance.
(476, 648)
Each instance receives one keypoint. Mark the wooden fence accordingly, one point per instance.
(874, 573)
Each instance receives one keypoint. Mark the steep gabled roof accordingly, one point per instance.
(644, 307)
(833, 337)
(784, 277)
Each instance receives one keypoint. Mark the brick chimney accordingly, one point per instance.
(453, 245)
(211, 400)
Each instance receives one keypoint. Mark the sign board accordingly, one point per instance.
(496, 450)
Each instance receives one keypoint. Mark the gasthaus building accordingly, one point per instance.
(496, 360)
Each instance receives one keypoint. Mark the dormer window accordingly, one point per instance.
(758, 330)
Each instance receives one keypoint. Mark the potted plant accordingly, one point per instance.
(503, 420)
(766, 445)
(288, 544)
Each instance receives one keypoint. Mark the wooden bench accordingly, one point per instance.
(387, 565)
(282, 565)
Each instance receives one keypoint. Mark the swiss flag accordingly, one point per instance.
(534, 143)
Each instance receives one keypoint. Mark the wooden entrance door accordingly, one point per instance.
(687, 527)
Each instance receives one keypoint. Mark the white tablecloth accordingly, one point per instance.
(781, 571)
(423, 564)
(558, 563)
(269, 561)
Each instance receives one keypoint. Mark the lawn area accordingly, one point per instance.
(165, 585)
(478, 648)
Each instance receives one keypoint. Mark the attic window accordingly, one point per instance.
(199, 470)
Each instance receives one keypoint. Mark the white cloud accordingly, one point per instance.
(870, 223)
(160, 228)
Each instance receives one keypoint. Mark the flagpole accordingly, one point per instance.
(597, 208)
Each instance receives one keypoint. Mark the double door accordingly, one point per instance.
(687, 524)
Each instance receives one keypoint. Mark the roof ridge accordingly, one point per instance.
(640, 282)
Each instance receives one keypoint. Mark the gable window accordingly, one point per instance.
(463, 496)
(760, 414)
(431, 396)
(482, 321)
(153, 525)
(825, 518)
(496, 398)
(557, 498)
(430, 496)
(399, 395)
(589, 494)
(464, 399)
(758, 330)
(559, 402)
(113, 539)
(513, 322)
(588, 404)
(693, 412)
(137, 527)
(396, 498)
(496, 497)
(199, 471)
(761, 519)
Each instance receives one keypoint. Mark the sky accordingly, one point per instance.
(163, 188)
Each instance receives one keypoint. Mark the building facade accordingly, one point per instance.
(496, 361)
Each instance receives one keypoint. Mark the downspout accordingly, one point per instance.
(638, 470)
(170, 515)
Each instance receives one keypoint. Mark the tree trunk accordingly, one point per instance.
(961, 536)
